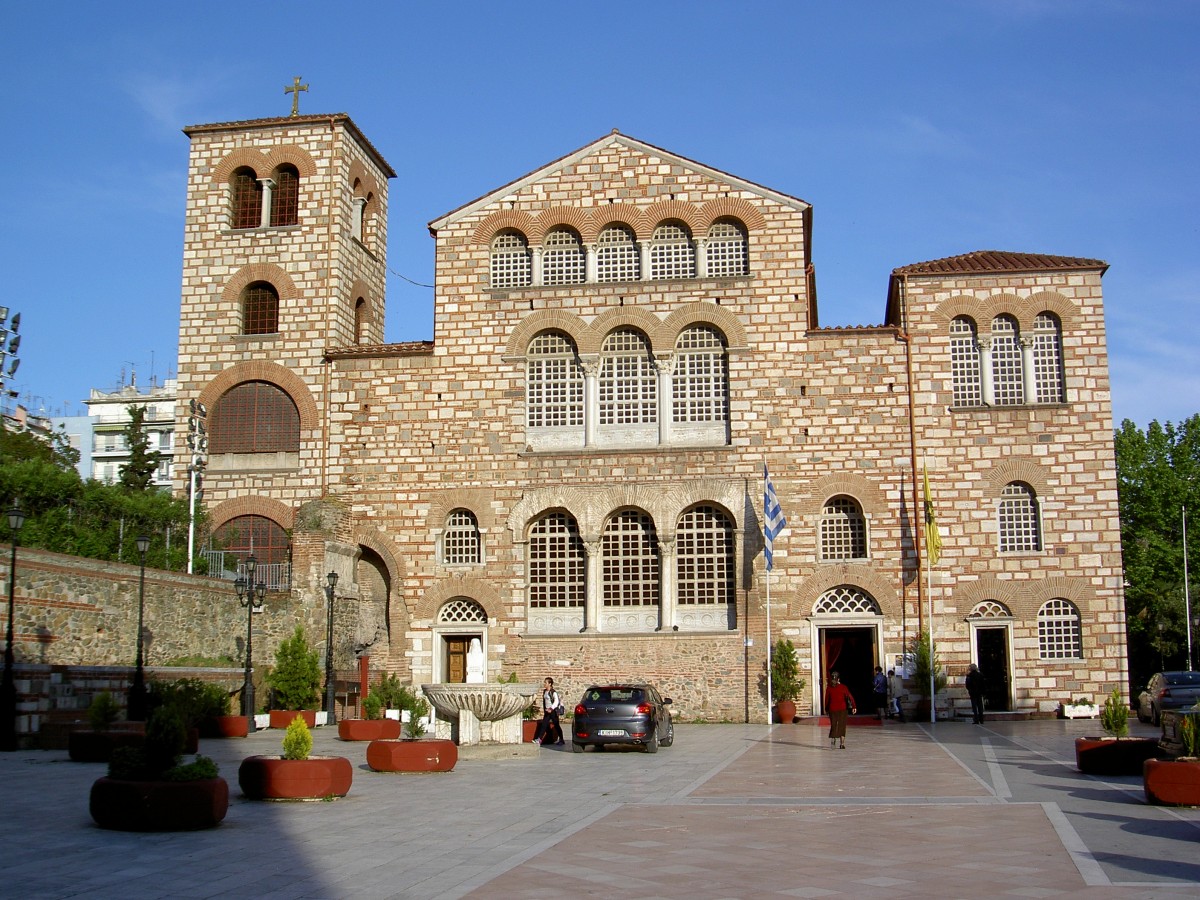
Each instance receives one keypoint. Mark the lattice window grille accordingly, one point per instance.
(704, 556)
(843, 530)
(990, 609)
(725, 252)
(245, 199)
(256, 536)
(964, 363)
(1006, 362)
(629, 560)
(563, 259)
(557, 566)
(461, 609)
(846, 600)
(617, 255)
(461, 544)
(700, 386)
(511, 261)
(1019, 530)
(1047, 359)
(554, 382)
(628, 381)
(254, 417)
(285, 199)
(1059, 633)
(672, 254)
(260, 309)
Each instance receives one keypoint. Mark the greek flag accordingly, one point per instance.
(773, 520)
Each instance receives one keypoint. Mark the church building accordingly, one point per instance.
(572, 469)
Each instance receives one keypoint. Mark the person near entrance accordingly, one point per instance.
(975, 690)
(839, 703)
(879, 691)
(549, 730)
(895, 689)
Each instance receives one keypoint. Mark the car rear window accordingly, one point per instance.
(1192, 678)
(615, 695)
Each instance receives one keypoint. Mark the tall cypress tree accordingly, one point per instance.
(138, 473)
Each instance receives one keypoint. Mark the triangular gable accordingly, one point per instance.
(615, 137)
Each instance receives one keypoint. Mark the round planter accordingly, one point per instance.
(276, 778)
(434, 755)
(282, 718)
(230, 726)
(158, 805)
(1172, 782)
(785, 712)
(1108, 756)
(528, 730)
(368, 729)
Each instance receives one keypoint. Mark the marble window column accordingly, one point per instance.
(987, 381)
(594, 582)
(666, 583)
(1028, 374)
(268, 193)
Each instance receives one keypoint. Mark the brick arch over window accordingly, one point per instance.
(865, 491)
(733, 208)
(382, 546)
(703, 313)
(237, 159)
(544, 320)
(618, 317)
(474, 588)
(856, 575)
(364, 182)
(560, 217)
(666, 210)
(291, 155)
(1018, 469)
(261, 370)
(1037, 593)
(477, 500)
(970, 594)
(1051, 302)
(231, 294)
(280, 513)
(512, 219)
(611, 214)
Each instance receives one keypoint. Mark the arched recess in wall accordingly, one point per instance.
(261, 370)
(278, 512)
(478, 589)
(380, 574)
(830, 577)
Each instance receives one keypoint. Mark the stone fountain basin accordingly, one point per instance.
(487, 702)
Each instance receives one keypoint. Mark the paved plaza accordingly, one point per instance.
(951, 810)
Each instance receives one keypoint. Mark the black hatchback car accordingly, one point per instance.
(622, 714)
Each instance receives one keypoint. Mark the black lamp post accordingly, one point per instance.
(8, 690)
(250, 594)
(330, 714)
(136, 704)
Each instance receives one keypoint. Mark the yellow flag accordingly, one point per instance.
(933, 538)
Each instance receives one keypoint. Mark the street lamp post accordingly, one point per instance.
(250, 594)
(8, 690)
(330, 714)
(136, 704)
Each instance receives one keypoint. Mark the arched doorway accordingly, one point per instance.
(847, 638)
(458, 621)
(991, 632)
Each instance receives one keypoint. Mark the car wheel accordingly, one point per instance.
(576, 748)
(1140, 716)
(652, 743)
(670, 737)
(1155, 718)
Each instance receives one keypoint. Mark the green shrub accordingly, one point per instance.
(414, 728)
(1189, 732)
(391, 692)
(296, 678)
(297, 740)
(372, 706)
(196, 661)
(1114, 717)
(200, 769)
(103, 711)
(196, 701)
(166, 737)
(786, 683)
(926, 663)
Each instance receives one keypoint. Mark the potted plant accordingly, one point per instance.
(1116, 753)
(296, 774)
(373, 726)
(197, 702)
(413, 753)
(96, 743)
(1176, 782)
(230, 723)
(786, 683)
(927, 667)
(295, 681)
(149, 788)
(1077, 708)
(530, 717)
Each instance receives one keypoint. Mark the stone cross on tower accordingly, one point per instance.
(295, 90)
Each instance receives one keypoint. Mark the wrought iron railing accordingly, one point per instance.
(231, 566)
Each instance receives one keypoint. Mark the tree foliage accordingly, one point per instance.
(1157, 478)
(138, 473)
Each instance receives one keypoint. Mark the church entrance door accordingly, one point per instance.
(456, 658)
(851, 652)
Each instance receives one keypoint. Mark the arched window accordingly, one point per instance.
(1006, 362)
(245, 194)
(553, 382)
(628, 380)
(672, 254)
(1047, 358)
(964, 363)
(360, 320)
(704, 556)
(843, 530)
(260, 309)
(511, 265)
(562, 258)
(629, 560)
(846, 599)
(285, 199)
(617, 255)
(725, 251)
(1019, 529)
(557, 567)
(990, 609)
(254, 417)
(1059, 632)
(461, 543)
(700, 386)
(461, 609)
(256, 536)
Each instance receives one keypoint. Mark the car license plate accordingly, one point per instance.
(610, 732)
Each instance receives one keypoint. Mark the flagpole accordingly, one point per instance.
(932, 672)
(769, 648)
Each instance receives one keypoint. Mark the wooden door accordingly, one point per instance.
(456, 659)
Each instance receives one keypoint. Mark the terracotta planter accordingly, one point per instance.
(1108, 756)
(368, 729)
(158, 805)
(1172, 782)
(276, 778)
(412, 756)
(785, 712)
(282, 718)
(97, 746)
(528, 730)
(230, 726)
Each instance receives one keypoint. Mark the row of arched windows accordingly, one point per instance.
(260, 311)
(1004, 367)
(272, 201)
(1060, 626)
(672, 252)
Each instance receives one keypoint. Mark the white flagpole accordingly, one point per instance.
(770, 649)
(932, 672)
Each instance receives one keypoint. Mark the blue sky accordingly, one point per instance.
(916, 130)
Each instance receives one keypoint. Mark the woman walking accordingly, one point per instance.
(549, 731)
(839, 703)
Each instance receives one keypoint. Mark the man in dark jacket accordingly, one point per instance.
(975, 688)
